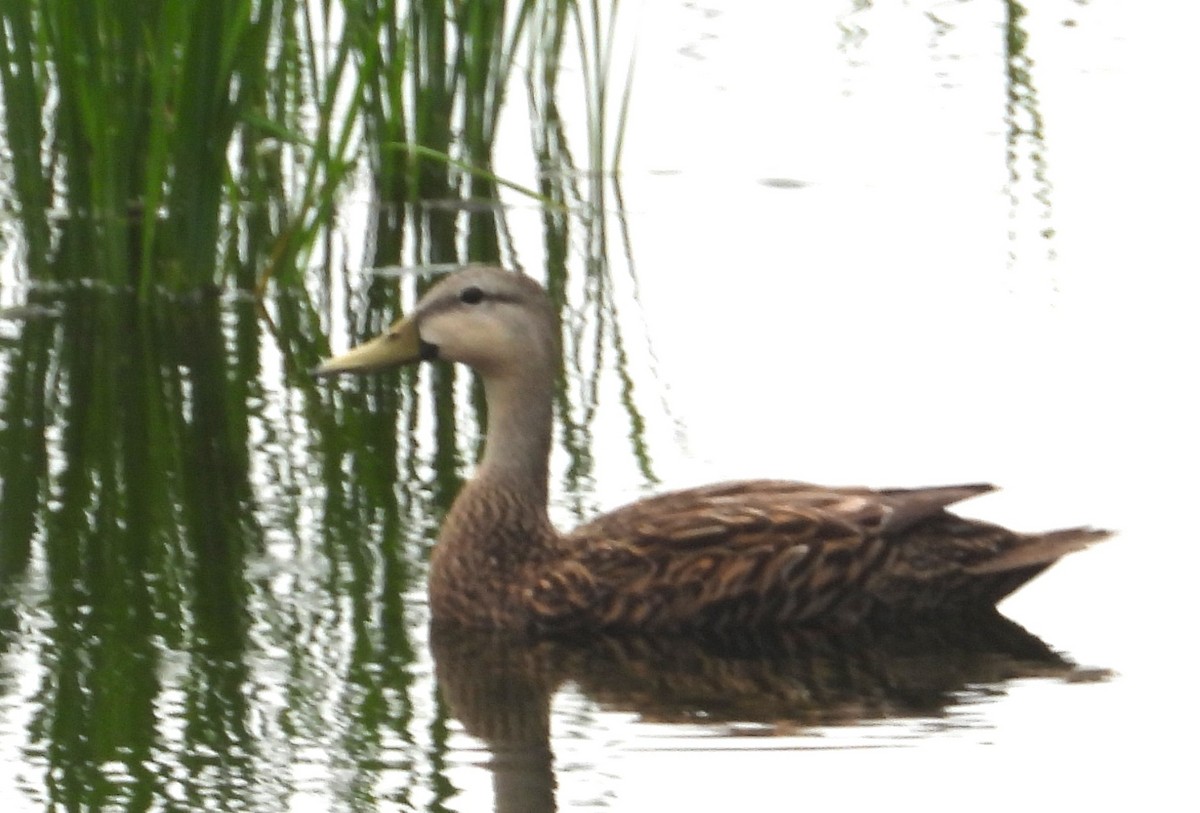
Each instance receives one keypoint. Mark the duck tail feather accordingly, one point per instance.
(1041, 550)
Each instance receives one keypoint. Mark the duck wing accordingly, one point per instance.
(749, 553)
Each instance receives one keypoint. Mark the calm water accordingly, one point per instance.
(857, 245)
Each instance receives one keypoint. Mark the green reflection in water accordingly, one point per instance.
(1026, 130)
(181, 659)
(223, 560)
(138, 521)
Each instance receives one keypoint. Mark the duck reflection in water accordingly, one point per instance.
(500, 686)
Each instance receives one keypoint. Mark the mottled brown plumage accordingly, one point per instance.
(757, 553)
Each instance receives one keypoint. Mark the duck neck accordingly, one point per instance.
(520, 421)
(498, 526)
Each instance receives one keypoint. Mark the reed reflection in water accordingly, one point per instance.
(211, 591)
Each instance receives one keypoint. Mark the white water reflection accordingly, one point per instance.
(916, 306)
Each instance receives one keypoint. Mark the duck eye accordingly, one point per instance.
(472, 295)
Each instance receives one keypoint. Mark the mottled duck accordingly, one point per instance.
(755, 553)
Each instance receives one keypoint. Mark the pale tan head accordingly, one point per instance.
(499, 323)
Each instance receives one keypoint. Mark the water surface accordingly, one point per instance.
(864, 245)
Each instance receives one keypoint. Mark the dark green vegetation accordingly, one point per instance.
(159, 144)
